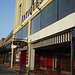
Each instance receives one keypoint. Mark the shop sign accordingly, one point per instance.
(20, 43)
(18, 56)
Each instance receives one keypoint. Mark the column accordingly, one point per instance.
(32, 58)
(73, 52)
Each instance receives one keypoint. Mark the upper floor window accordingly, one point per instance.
(35, 23)
(32, 2)
(19, 10)
(49, 14)
(56, 10)
(22, 33)
(65, 7)
(46, 17)
(25, 31)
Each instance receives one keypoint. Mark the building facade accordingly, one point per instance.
(46, 31)
(7, 46)
(1, 51)
(1, 41)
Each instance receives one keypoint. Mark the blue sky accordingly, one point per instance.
(7, 13)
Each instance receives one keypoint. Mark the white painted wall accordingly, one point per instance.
(61, 25)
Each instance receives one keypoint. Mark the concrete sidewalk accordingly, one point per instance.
(4, 70)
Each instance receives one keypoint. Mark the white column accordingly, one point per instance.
(32, 58)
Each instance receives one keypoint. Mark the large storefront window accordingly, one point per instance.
(56, 10)
(72, 5)
(25, 31)
(44, 18)
(49, 14)
(35, 24)
(64, 8)
(22, 33)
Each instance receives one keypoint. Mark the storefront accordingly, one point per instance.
(1, 55)
(19, 58)
(52, 52)
(48, 57)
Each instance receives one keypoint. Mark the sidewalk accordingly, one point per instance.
(4, 70)
(46, 72)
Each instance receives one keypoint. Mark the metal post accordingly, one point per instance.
(72, 50)
(71, 55)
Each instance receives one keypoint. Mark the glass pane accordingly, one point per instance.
(35, 24)
(64, 8)
(72, 5)
(16, 35)
(25, 31)
(49, 14)
(20, 34)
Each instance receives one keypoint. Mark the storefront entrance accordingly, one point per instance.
(62, 61)
(20, 57)
(54, 57)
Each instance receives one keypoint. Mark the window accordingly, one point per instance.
(56, 10)
(49, 14)
(32, 2)
(64, 8)
(16, 35)
(25, 31)
(19, 12)
(22, 33)
(72, 5)
(44, 18)
(35, 23)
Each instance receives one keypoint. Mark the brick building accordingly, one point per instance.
(1, 50)
(1, 41)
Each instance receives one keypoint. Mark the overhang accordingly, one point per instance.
(20, 43)
(2, 50)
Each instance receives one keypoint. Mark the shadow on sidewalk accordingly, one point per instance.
(5, 70)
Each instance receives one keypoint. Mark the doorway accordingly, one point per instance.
(62, 61)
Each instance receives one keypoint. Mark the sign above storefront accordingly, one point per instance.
(20, 43)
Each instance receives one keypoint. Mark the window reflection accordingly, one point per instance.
(35, 23)
(49, 14)
(56, 10)
(22, 33)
